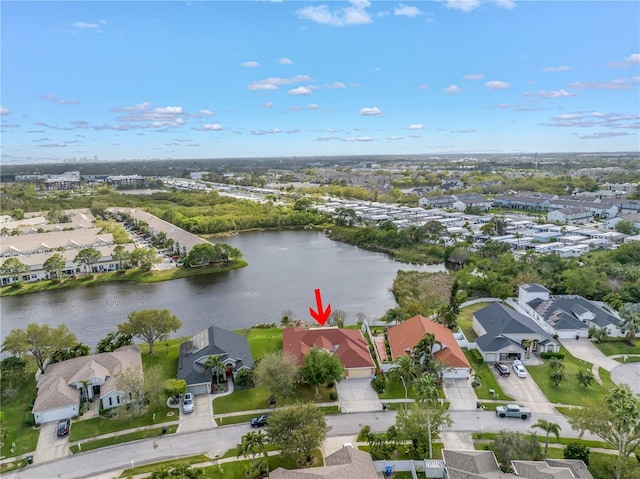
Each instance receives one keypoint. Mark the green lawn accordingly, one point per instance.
(465, 320)
(96, 426)
(618, 347)
(552, 439)
(570, 391)
(122, 438)
(18, 418)
(395, 390)
(263, 341)
(235, 469)
(175, 462)
(258, 398)
(136, 275)
(487, 381)
(165, 354)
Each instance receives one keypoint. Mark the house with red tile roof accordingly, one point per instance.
(404, 336)
(347, 344)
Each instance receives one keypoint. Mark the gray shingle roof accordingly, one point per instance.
(211, 341)
(346, 463)
(499, 319)
(573, 306)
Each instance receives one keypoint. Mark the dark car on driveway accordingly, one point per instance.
(63, 427)
(259, 421)
(503, 369)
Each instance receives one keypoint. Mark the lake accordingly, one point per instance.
(285, 267)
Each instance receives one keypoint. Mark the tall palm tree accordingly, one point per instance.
(549, 428)
(254, 445)
(214, 363)
(527, 343)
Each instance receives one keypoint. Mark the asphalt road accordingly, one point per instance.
(217, 440)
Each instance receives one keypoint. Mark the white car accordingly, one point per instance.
(187, 403)
(519, 369)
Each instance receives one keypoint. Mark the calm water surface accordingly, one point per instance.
(285, 268)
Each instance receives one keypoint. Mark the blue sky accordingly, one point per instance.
(208, 79)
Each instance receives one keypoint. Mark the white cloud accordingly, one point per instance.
(266, 132)
(86, 25)
(293, 130)
(285, 61)
(618, 84)
(359, 138)
(355, 14)
(416, 126)
(295, 108)
(393, 138)
(553, 93)
(5, 110)
(250, 64)
(59, 101)
(474, 76)
(143, 116)
(497, 85)
(312, 106)
(559, 68)
(301, 90)
(269, 104)
(452, 89)
(632, 59)
(506, 4)
(603, 134)
(274, 83)
(335, 84)
(211, 127)
(463, 5)
(374, 111)
(423, 87)
(203, 113)
(406, 11)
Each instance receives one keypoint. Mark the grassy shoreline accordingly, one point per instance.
(134, 275)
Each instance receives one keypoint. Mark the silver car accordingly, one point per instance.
(187, 403)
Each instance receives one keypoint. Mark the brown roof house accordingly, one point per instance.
(404, 336)
(348, 344)
(346, 463)
(61, 387)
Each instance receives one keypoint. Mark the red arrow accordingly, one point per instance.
(321, 316)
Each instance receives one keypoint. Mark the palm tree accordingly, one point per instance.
(85, 386)
(406, 368)
(439, 368)
(527, 343)
(426, 388)
(630, 314)
(253, 445)
(214, 362)
(422, 352)
(549, 428)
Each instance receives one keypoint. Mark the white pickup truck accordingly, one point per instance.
(513, 410)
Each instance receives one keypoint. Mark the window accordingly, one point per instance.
(110, 401)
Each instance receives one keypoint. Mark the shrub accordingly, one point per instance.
(552, 355)
(476, 356)
(575, 450)
(379, 383)
(333, 396)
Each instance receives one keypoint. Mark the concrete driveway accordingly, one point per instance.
(525, 391)
(200, 418)
(357, 395)
(460, 394)
(50, 446)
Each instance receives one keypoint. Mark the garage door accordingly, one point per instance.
(57, 414)
(198, 389)
(358, 373)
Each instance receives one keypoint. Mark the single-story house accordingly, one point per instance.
(404, 336)
(567, 316)
(467, 464)
(505, 334)
(62, 386)
(233, 350)
(345, 463)
(348, 344)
